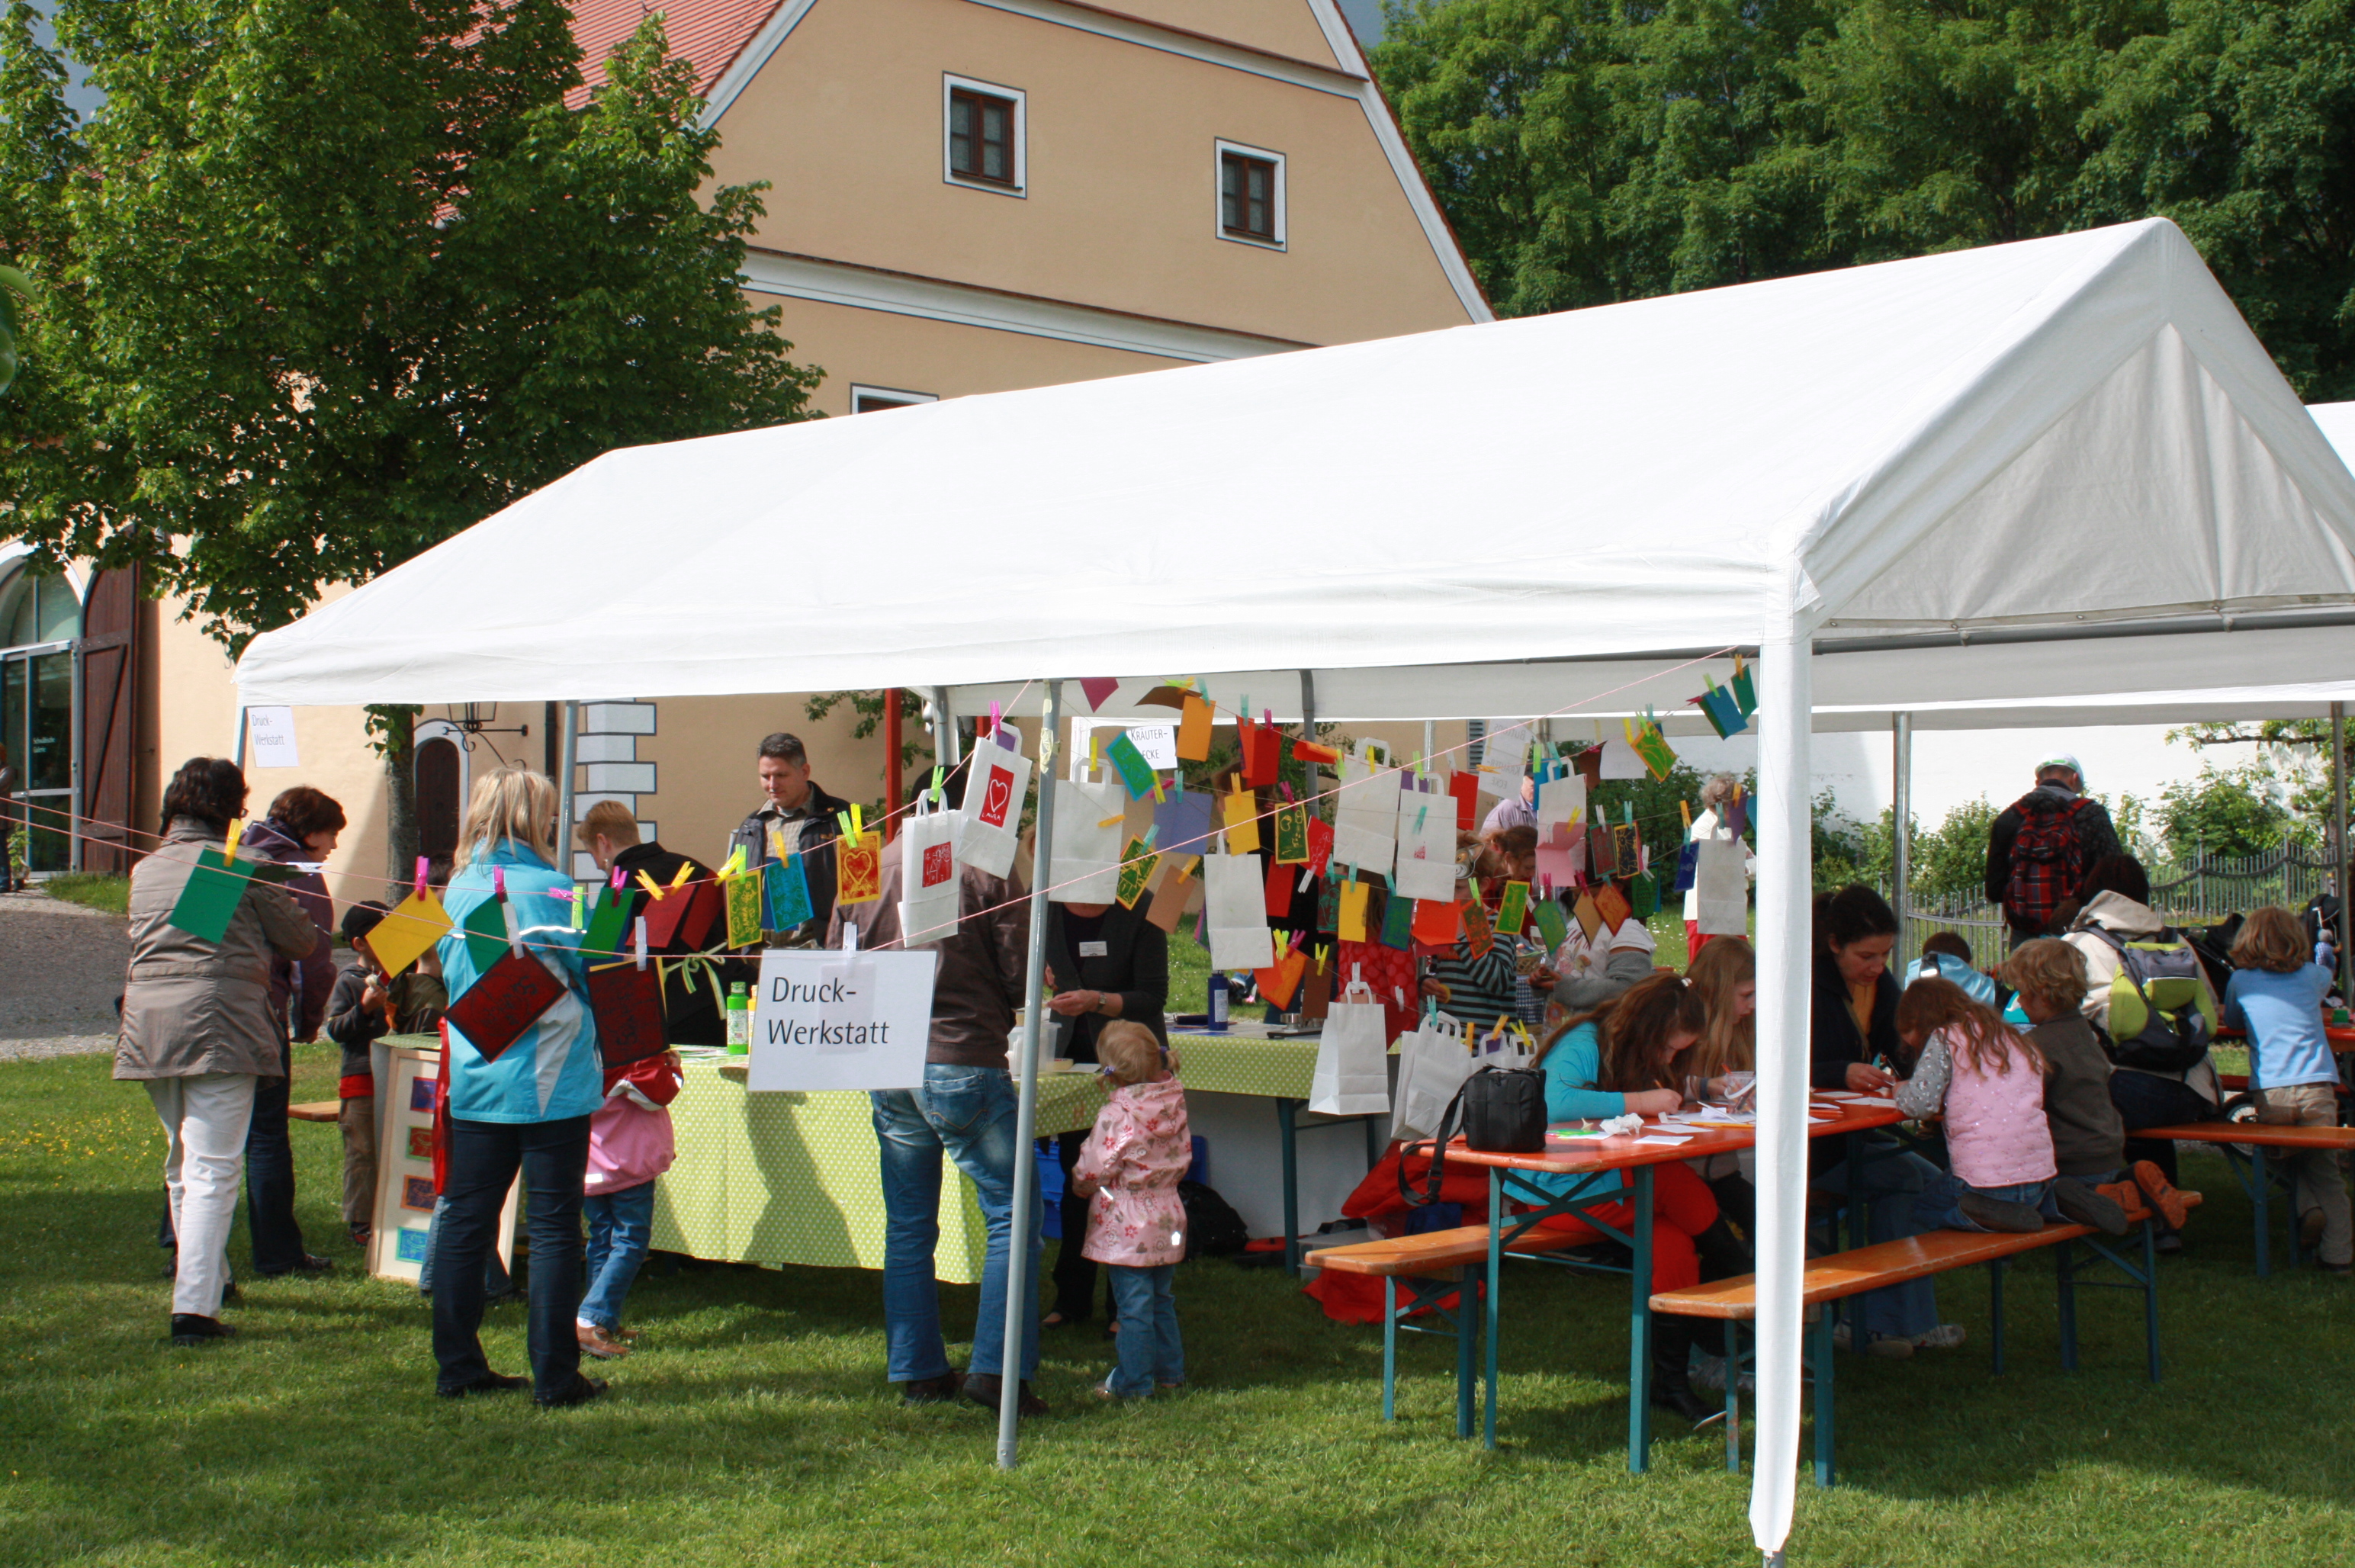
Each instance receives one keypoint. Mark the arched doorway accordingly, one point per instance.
(40, 616)
(441, 795)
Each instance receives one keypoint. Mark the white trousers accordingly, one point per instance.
(206, 1118)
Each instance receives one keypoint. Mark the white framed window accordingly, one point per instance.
(984, 135)
(868, 400)
(1250, 196)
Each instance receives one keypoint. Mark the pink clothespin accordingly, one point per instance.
(422, 864)
(1286, 789)
(997, 723)
(499, 883)
(618, 874)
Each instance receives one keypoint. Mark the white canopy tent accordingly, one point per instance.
(1998, 485)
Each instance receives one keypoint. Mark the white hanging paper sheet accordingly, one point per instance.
(1721, 888)
(1427, 847)
(1364, 818)
(1561, 803)
(1089, 818)
(1234, 911)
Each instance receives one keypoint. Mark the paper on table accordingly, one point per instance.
(1663, 1143)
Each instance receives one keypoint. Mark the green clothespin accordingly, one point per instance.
(939, 773)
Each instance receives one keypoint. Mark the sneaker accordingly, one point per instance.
(2309, 1230)
(2164, 1197)
(1999, 1214)
(2082, 1205)
(932, 1391)
(360, 1235)
(1841, 1336)
(984, 1392)
(595, 1341)
(582, 1391)
(1889, 1346)
(1944, 1337)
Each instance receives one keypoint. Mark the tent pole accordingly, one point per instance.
(1023, 1223)
(948, 747)
(1784, 970)
(1430, 742)
(2338, 835)
(1901, 731)
(566, 808)
(1309, 719)
(894, 787)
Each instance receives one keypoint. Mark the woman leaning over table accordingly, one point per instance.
(196, 1029)
(1854, 1049)
(1618, 1062)
(528, 1111)
(1107, 962)
(1724, 975)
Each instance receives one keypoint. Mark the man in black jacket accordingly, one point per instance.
(803, 814)
(2065, 833)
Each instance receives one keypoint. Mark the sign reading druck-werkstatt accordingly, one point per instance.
(841, 1021)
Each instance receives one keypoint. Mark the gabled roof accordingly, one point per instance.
(707, 34)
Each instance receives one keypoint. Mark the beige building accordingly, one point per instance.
(966, 196)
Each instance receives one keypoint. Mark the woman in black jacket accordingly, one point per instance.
(1853, 1048)
(1107, 962)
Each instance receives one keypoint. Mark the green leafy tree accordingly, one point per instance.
(2230, 813)
(325, 282)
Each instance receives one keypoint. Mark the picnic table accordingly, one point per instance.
(1569, 1152)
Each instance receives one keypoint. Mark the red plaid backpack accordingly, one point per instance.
(2048, 860)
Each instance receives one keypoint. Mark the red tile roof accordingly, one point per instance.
(707, 34)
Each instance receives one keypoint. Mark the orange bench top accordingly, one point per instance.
(2252, 1133)
(317, 1111)
(1415, 1257)
(1870, 1268)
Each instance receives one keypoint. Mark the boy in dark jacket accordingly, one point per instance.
(363, 1009)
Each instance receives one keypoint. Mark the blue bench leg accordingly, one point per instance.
(2259, 1191)
(1995, 1311)
(1468, 1347)
(1491, 1280)
(1824, 1407)
(1640, 1325)
(1734, 1395)
(2150, 1295)
(2065, 1267)
(1390, 1348)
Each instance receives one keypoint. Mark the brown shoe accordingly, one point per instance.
(629, 1334)
(2162, 1194)
(595, 1341)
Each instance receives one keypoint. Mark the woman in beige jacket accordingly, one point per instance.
(196, 1029)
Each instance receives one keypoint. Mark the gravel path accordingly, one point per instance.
(60, 970)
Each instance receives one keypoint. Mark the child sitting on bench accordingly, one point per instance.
(1989, 1083)
(2089, 1137)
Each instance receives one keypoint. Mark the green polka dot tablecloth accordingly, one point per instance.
(789, 1178)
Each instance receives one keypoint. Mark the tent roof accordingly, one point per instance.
(2041, 439)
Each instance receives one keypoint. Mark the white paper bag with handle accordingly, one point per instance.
(1087, 822)
(1426, 848)
(929, 882)
(1234, 912)
(1353, 1073)
(990, 826)
(1365, 816)
(1434, 1062)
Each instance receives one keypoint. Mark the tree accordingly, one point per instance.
(2230, 813)
(325, 282)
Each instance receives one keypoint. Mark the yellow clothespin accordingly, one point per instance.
(735, 865)
(679, 881)
(236, 832)
(777, 846)
(652, 886)
(1686, 807)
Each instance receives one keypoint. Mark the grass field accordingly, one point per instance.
(756, 1426)
(111, 894)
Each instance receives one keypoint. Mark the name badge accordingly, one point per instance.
(1092, 950)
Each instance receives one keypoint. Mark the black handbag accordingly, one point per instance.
(1499, 1110)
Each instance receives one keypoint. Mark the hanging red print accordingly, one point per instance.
(940, 864)
(997, 798)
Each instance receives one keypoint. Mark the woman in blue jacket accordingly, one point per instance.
(528, 1111)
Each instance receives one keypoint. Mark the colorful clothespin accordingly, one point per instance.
(577, 898)
(422, 864)
(618, 875)
(653, 889)
(734, 866)
(1685, 807)
(236, 832)
(499, 883)
(939, 773)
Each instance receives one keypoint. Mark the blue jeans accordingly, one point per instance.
(269, 1178)
(620, 1224)
(968, 1112)
(485, 1158)
(1888, 1182)
(1939, 1208)
(1150, 1351)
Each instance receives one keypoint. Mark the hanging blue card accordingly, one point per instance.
(1688, 864)
(784, 894)
(1182, 823)
(1398, 923)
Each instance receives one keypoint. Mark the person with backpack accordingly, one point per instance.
(2148, 994)
(2041, 848)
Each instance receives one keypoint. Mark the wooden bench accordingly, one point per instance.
(1843, 1275)
(1434, 1265)
(317, 1111)
(2245, 1145)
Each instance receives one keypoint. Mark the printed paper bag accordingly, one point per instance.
(1434, 1062)
(627, 1004)
(928, 877)
(1352, 1076)
(1085, 867)
(1234, 913)
(1427, 847)
(1365, 817)
(990, 826)
(507, 1000)
(1721, 886)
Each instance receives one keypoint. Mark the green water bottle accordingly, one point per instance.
(740, 1020)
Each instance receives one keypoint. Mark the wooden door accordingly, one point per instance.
(438, 806)
(109, 665)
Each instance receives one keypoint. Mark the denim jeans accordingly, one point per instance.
(1150, 1351)
(1887, 1184)
(485, 1158)
(620, 1224)
(968, 1112)
(1939, 1208)
(269, 1178)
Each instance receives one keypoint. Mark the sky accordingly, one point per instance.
(80, 97)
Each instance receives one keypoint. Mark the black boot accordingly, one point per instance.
(1672, 1339)
(1723, 1255)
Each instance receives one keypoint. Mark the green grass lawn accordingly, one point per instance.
(756, 1426)
(111, 894)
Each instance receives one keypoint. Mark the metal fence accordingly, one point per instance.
(2197, 892)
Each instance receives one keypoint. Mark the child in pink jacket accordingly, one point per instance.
(630, 1144)
(1130, 1167)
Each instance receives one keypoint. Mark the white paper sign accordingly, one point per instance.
(1158, 743)
(841, 1021)
(270, 738)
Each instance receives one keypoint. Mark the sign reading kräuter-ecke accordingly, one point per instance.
(841, 1021)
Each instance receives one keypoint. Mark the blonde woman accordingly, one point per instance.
(1724, 975)
(528, 1111)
